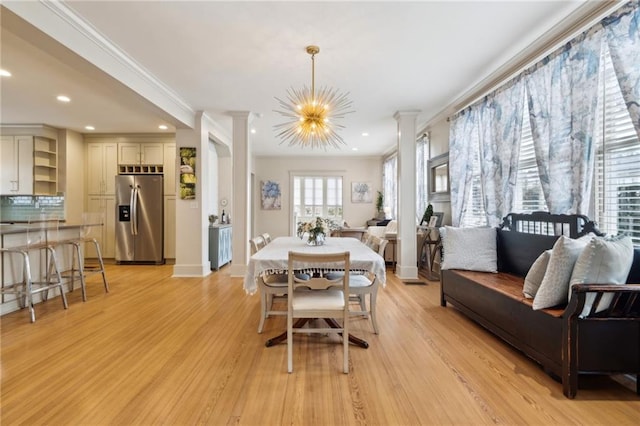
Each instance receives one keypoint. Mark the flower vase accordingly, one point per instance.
(315, 239)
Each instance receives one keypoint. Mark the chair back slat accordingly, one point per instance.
(257, 243)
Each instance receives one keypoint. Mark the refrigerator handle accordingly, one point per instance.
(135, 210)
(133, 202)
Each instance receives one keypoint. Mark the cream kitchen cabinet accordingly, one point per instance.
(106, 235)
(16, 165)
(102, 168)
(45, 166)
(140, 153)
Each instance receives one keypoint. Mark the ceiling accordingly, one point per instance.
(219, 57)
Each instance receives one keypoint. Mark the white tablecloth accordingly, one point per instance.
(274, 257)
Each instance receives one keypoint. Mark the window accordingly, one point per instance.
(617, 177)
(315, 196)
(528, 196)
(474, 213)
(390, 181)
(616, 185)
(422, 172)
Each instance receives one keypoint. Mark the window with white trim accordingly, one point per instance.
(390, 182)
(528, 196)
(616, 186)
(315, 196)
(422, 173)
(474, 213)
(617, 177)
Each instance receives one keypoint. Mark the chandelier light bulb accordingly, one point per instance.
(309, 113)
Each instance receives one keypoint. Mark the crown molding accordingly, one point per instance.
(576, 22)
(61, 23)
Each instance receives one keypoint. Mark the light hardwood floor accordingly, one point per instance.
(186, 351)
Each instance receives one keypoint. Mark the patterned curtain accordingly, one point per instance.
(563, 97)
(422, 171)
(500, 133)
(463, 141)
(623, 35)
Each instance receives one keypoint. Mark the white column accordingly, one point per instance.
(406, 250)
(241, 205)
(192, 235)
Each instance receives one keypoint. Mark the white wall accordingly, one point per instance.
(352, 169)
(225, 184)
(211, 199)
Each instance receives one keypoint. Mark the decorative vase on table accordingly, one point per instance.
(316, 239)
(314, 231)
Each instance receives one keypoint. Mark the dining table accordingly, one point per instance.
(274, 259)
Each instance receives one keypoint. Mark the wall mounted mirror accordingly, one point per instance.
(439, 178)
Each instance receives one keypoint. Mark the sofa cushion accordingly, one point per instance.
(517, 251)
(603, 261)
(536, 274)
(472, 249)
(554, 288)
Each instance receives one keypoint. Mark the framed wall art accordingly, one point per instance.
(271, 195)
(361, 192)
(188, 173)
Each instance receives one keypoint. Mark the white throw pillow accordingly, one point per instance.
(472, 249)
(603, 261)
(535, 275)
(554, 288)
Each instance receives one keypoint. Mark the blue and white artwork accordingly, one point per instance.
(271, 195)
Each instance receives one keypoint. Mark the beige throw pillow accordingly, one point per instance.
(472, 249)
(535, 275)
(603, 261)
(554, 288)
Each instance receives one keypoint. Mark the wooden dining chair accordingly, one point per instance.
(256, 243)
(361, 285)
(266, 237)
(318, 297)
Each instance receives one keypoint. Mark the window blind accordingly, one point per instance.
(617, 183)
(528, 195)
(474, 213)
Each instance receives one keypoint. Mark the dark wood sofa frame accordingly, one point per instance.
(557, 338)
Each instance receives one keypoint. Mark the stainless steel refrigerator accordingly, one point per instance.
(139, 219)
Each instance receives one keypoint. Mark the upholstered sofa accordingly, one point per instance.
(561, 338)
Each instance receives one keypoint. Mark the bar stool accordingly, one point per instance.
(41, 234)
(80, 269)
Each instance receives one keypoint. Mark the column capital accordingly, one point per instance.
(248, 115)
(408, 113)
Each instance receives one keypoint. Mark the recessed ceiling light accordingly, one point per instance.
(63, 98)
(354, 149)
(89, 127)
(163, 127)
(4, 73)
(253, 131)
(365, 134)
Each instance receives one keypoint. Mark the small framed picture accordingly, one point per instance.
(433, 221)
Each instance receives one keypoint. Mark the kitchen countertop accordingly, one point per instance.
(19, 228)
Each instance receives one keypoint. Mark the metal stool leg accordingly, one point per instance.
(101, 263)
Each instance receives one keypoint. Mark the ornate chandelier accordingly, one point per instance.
(312, 115)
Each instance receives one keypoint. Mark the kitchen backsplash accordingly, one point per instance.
(21, 208)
